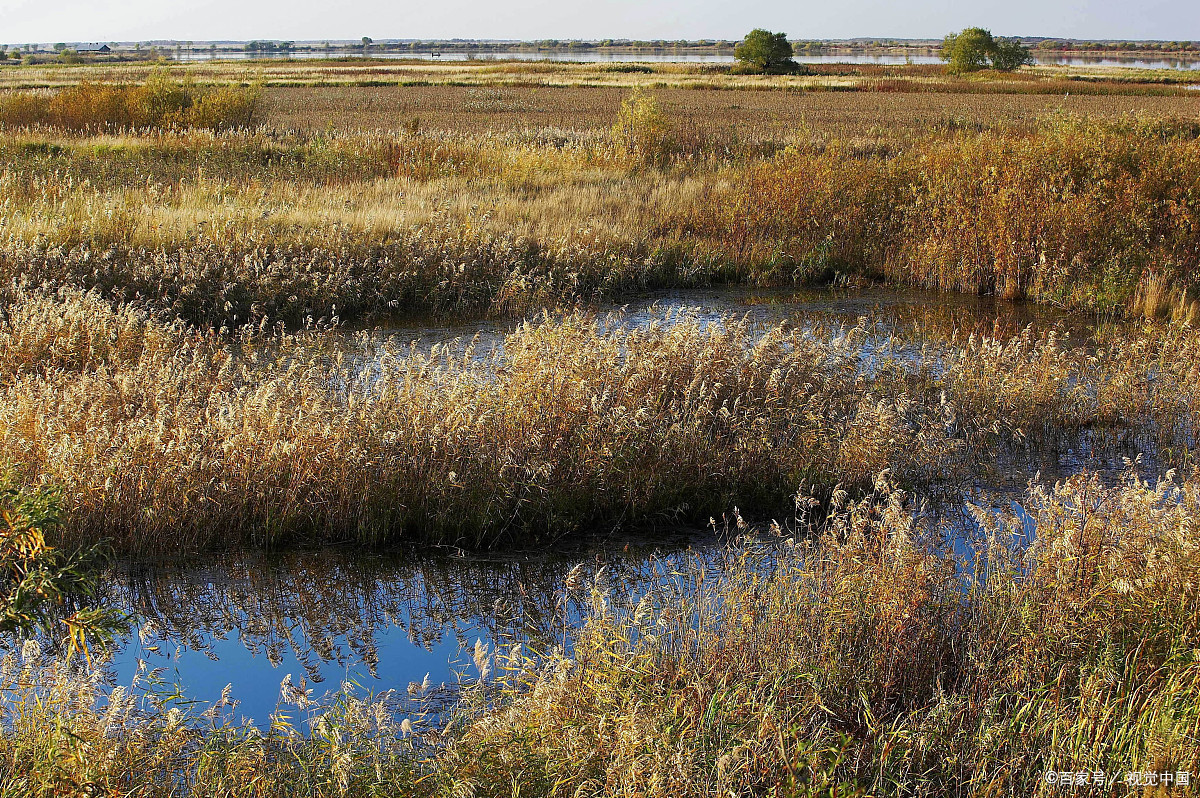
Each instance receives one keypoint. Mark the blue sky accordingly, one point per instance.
(24, 21)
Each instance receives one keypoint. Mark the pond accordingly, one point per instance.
(384, 621)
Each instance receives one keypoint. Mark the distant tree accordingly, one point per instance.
(366, 41)
(1010, 55)
(766, 51)
(968, 51)
(58, 48)
(974, 49)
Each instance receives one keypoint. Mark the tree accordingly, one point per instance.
(1010, 55)
(766, 51)
(975, 48)
(968, 51)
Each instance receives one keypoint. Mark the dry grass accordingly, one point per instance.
(227, 228)
(868, 659)
(872, 661)
(165, 438)
(157, 103)
(753, 114)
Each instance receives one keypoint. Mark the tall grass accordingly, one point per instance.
(872, 661)
(867, 658)
(163, 437)
(1080, 215)
(227, 228)
(160, 102)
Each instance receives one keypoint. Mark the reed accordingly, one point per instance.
(872, 660)
(228, 228)
(161, 101)
(165, 437)
(867, 657)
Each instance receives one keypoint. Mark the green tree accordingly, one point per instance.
(968, 51)
(974, 49)
(1010, 55)
(766, 51)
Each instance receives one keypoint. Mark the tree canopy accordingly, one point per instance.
(973, 49)
(766, 51)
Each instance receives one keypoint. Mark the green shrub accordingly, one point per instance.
(41, 587)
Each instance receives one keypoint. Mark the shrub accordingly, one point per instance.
(642, 133)
(161, 102)
(41, 586)
(1010, 55)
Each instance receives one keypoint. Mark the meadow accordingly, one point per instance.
(199, 269)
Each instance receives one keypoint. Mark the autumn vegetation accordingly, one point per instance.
(191, 270)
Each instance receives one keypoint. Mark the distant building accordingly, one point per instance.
(93, 48)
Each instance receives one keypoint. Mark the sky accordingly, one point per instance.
(47, 21)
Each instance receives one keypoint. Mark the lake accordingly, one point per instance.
(1188, 63)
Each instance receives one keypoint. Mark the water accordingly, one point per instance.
(385, 621)
(379, 622)
(762, 308)
(666, 56)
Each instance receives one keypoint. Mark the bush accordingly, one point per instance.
(40, 586)
(642, 133)
(161, 102)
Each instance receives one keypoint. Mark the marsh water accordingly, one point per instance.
(385, 620)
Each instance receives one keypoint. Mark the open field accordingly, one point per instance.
(753, 113)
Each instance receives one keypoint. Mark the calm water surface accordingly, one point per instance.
(384, 621)
(670, 57)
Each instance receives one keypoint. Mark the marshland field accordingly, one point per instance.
(581, 429)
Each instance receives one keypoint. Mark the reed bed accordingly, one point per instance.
(223, 229)
(161, 101)
(162, 437)
(866, 658)
(873, 661)
(1049, 217)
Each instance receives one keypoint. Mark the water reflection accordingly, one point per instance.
(904, 310)
(381, 621)
(386, 620)
(669, 56)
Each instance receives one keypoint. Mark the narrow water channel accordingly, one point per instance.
(383, 621)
